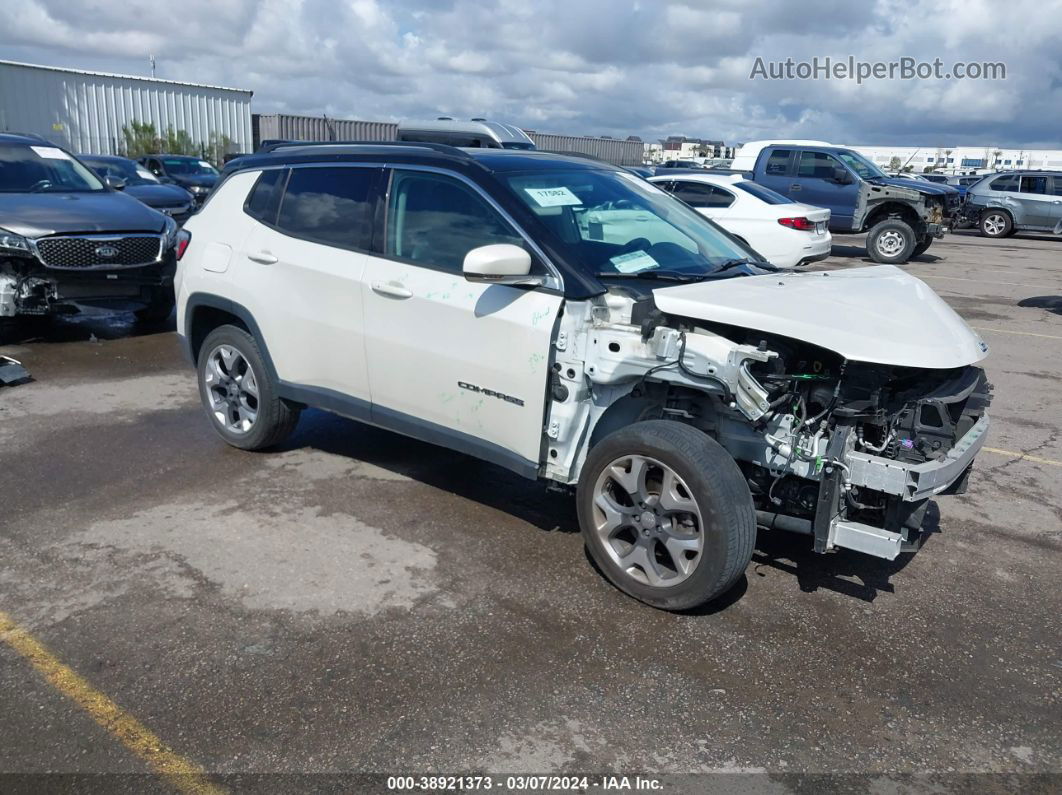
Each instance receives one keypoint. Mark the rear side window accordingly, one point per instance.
(262, 200)
(700, 194)
(778, 162)
(1005, 183)
(1057, 186)
(763, 194)
(329, 205)
(434, 220)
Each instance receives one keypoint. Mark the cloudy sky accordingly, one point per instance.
(616, 67)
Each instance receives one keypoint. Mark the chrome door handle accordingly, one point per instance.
(391, 289)
(264, 257)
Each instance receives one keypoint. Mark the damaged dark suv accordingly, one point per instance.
(69, 240)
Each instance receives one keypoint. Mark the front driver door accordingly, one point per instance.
(455, 362)
(817, 186)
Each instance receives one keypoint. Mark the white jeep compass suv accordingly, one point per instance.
(684, 388)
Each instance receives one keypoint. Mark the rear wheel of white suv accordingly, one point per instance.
(666, 514)
(238, 392)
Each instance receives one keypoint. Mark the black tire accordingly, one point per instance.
(711, 478)
(275, 419)
(995, 224)
(922, 246)
(891, 241)
(158, 309)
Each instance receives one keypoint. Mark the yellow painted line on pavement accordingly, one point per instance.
(184, 775)
(1022, 333)
(1023, 456)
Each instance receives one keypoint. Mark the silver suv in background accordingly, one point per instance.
(1016, 201)
(476, 133)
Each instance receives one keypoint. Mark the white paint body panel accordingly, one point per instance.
(879, 314)
(450, 331)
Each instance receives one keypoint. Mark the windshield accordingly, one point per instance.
(762, 193)
(860, 165)
(132, 173)
(517, 145)
(188, 166)
(616, 224)
(43, 168)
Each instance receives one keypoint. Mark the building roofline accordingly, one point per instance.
(247, 91)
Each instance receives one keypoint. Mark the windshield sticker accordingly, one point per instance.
(634, 262)
(205, 164)
(553, 197)
(50, 152)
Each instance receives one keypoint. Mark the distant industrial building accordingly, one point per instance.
(961, 159)
(87, 111)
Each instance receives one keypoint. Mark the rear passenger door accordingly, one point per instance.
(777, 171)
(308, 255)
(1034, 203)
(458, 363)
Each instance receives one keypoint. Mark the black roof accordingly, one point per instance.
(493, 160)
(23, 138)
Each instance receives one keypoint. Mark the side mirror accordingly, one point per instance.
(114, 183)
(500, 263)
(841, 175)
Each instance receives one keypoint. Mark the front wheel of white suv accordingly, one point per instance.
(666, 514)
(238, 393)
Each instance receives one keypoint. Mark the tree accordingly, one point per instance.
(179, 142)
(140, 138)
(895, 163)
(218, 146)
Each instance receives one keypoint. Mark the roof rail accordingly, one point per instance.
(453, 151)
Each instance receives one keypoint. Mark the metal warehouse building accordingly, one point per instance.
(86, 111)
(320, 128)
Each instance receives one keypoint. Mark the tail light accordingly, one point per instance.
(803, 224)
(183, 239)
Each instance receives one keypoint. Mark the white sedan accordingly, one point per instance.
(782, 231)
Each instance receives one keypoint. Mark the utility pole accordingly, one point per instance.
(152, 59)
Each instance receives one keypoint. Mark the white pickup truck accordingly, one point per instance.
(684, 388)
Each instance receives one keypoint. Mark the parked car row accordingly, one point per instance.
(71, 238)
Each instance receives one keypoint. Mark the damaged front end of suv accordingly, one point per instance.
(847, 399)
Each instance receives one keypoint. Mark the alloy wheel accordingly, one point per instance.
(994, 224)
(232, 389)
(648, 521)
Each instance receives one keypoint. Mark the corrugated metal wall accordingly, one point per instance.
(85, 111)
(622, 153)
(319, 128)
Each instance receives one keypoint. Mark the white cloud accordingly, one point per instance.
(584, 66)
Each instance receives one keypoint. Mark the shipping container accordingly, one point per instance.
(622, 153)
(283, 127)
(87, 111)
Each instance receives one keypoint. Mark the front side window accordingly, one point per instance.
(330, 205)
(434, 220)
(43, 168)
(614, 224)
(816, 164)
